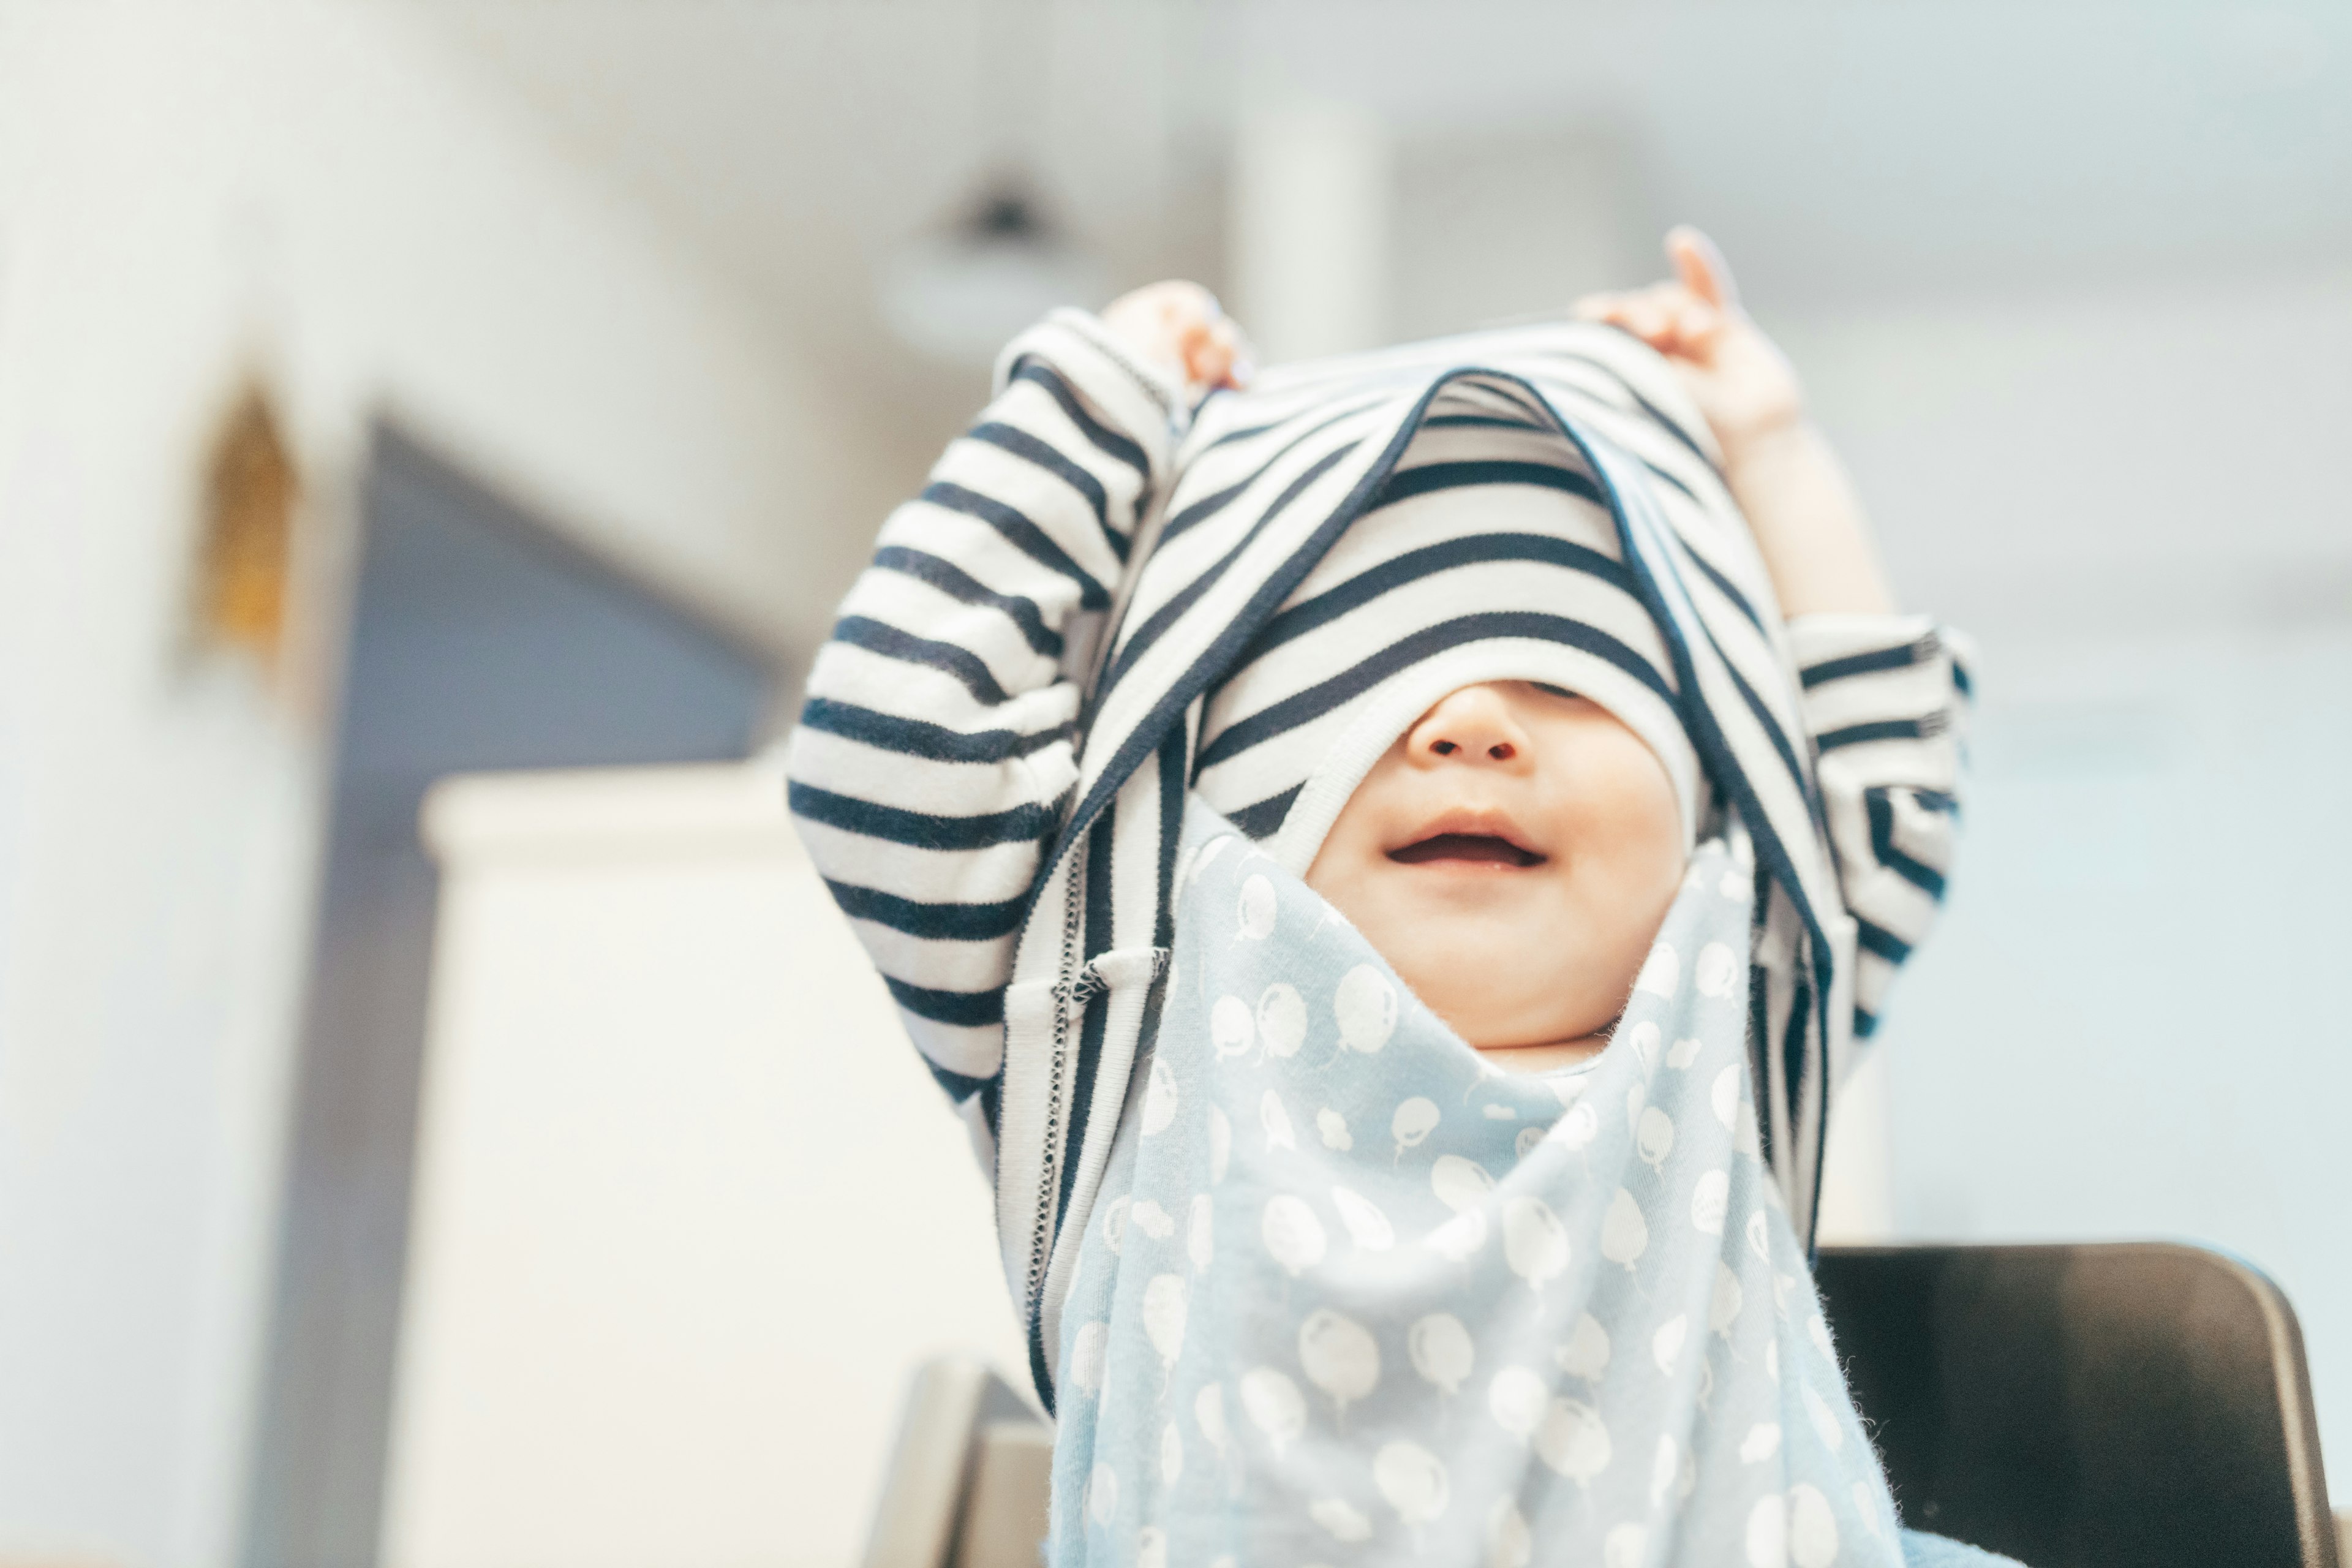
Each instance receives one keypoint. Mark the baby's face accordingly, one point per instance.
(1512, 857)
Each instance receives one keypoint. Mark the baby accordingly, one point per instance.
(1478, 649)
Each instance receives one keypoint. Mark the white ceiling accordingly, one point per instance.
(1840, 151)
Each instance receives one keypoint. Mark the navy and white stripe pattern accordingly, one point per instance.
(1079, 623)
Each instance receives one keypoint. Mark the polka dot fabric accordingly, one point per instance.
(1351, 1295)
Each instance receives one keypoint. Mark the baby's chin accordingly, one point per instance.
(1499, 988)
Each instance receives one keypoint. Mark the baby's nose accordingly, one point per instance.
(1474, 725)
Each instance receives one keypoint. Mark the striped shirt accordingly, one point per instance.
(1097, 606)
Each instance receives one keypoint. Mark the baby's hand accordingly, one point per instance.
(1740, 381)
(1179, 328)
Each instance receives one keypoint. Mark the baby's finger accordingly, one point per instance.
(1701, 267)
(1650, 315)
(1697, 324)
(1208, 354)
(1241, 364)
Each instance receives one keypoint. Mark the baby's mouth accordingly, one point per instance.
(1474, 848)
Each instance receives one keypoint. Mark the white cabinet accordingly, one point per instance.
(688, 1209)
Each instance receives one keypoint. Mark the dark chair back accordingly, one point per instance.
(2124, 1406)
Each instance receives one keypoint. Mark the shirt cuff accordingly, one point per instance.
(1136, 398)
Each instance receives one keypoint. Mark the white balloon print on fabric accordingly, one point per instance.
(1282, 1020)
(1535, 1243)
(1642, 1039)
(1341, 1517)
(1723, 1304)
(1528, 1137)
(1660, 970)
(1624, 1545)
(1209, 1413)
(1441, 1350)
(1413, 1481)
(1661, 1469)
(1812, 1527)
(1460, 1184)
(1275, 1122)
(1458, 1238)
(1768, 1532)
(1199, 1232)
(1509, 1543)
(1365, 1007)
(1760, 1236)
(1578, 1128)
(1361, 1218)
(1654, 1138)
(1414, 1120)
(1294, 1237)
(1221, 1144)
(1515, 1397)
(1716, 974)
(1711, 1200)
(1586, 1354)
(1866, 1505)
(1573, 1441)
(1232, 1028)
(1114, 1223)
(1333, 1128)
(1625, 1234)
(1763, 1441)
(1273, 1405)
(1087, 1348)
(1102, 1495)
(1151, 1547)
(1684, 1052)
(1159, 1098)
(1163, 1320)
(1824, 1419)
(1153, 1220)
(1256, 916)
(1171, 1454)
(1339, 1357)
(1726, 1095)
(1667, 1344)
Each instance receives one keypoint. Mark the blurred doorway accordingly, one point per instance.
(480, 641)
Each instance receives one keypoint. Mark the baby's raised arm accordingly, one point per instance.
(1886, 694)
(937, 739)
(1807, 523)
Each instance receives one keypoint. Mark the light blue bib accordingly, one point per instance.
(1353, 1295)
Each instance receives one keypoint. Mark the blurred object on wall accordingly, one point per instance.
(1311, 229)
(688, 1205)
(958, 296)
(244, 543)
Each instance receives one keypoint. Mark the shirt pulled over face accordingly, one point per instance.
(1350, 1296)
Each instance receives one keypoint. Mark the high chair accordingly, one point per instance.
(2093, 1405)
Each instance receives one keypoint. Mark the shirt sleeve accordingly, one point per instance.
(1886, 699)
(936, 745)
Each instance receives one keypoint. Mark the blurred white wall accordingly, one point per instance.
(2128, 1024)
(321, 190)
